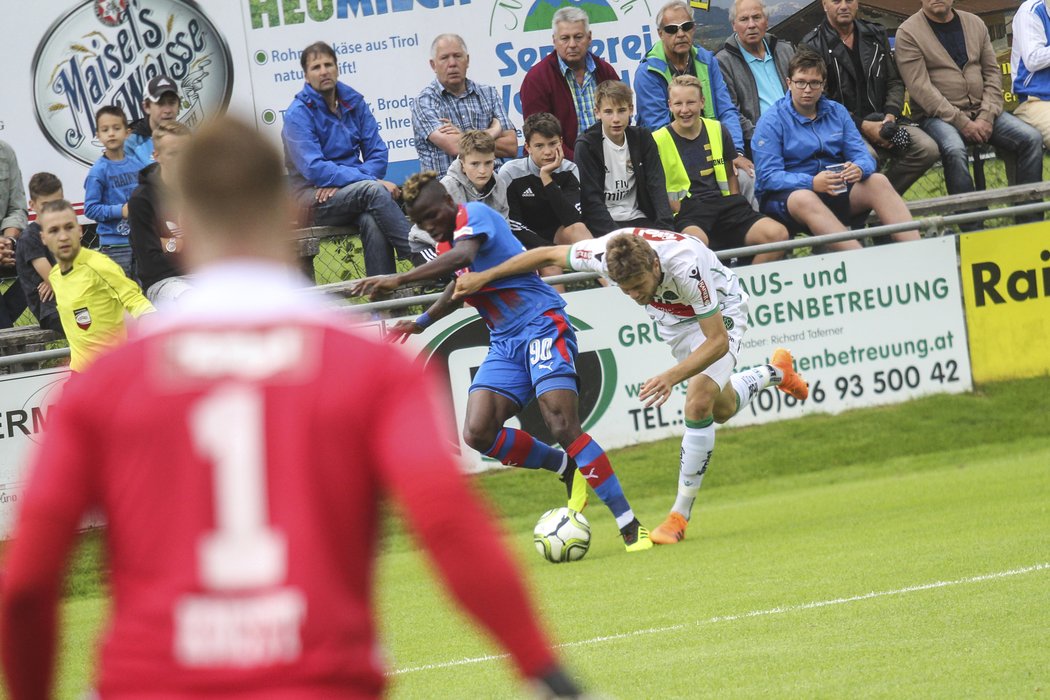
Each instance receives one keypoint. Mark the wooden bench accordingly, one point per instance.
(20, 340)
(956, 203)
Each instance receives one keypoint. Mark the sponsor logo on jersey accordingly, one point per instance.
(104, 52)
(583, 255)
(528, 192)
(83, 318)
(705, 295)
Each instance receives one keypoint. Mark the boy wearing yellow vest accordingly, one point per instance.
(703, 191)
(91, 291)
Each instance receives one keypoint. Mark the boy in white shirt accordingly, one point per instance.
(621, 178)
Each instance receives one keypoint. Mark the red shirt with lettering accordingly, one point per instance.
(239, 452)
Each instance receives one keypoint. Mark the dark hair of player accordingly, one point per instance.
(419, 190)
(628, 256)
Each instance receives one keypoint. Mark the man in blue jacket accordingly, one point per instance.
(337, 161)
(676, 55)
(814, 170)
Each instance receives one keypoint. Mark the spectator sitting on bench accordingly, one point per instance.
(471, 178)
(452, 105)
(156, 236)
(701, 185)
(543, 188)
(34, 261)
(621, 179)
(954, 83)
(815, 172)
(336, 159)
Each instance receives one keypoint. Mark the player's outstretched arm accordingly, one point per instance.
(716, 344)
(528, 261)
(445, 305)
(442, 266)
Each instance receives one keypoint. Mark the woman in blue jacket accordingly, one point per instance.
(813, 169)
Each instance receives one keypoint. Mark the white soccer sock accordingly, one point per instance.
(698, 444)
(750, 383)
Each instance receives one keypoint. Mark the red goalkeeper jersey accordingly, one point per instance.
(239, 449)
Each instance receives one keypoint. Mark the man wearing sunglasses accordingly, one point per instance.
(676, 55)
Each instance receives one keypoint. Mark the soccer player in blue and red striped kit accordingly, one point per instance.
(532, 350)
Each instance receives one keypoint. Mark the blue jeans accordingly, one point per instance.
(1008, 133)
(380, 222)
(121, 255)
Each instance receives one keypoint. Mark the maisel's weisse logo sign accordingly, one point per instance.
(104, 52)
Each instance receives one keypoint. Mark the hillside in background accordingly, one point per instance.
(715, 25)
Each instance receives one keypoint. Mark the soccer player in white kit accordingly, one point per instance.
(701, 310)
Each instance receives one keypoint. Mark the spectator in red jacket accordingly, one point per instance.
(564, 82)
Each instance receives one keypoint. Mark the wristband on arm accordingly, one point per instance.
(424, 320)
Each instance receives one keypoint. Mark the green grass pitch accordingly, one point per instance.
(891, 552)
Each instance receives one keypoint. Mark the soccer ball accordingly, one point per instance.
(562, 535)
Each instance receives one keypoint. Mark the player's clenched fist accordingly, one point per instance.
(468, 283)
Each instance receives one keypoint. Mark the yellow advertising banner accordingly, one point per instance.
(1006, 288)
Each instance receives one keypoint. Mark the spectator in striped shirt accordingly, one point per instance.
(452, 105)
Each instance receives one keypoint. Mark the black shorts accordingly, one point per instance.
(725, 220)
(775, 205)
(529, 238)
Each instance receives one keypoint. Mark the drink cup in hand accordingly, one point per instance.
(837, 169)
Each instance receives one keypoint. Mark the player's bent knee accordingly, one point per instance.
(721, 414)
(699, 408)
(479, 436)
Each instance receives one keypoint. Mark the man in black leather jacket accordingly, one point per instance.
(863, 76)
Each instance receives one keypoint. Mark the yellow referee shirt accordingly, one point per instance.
(91, 299)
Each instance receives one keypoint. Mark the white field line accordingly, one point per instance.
(742, 616)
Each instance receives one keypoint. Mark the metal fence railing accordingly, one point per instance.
(932, 225)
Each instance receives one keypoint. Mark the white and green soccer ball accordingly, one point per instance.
(562, 535)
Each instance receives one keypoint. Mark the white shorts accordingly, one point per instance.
(684, 338)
